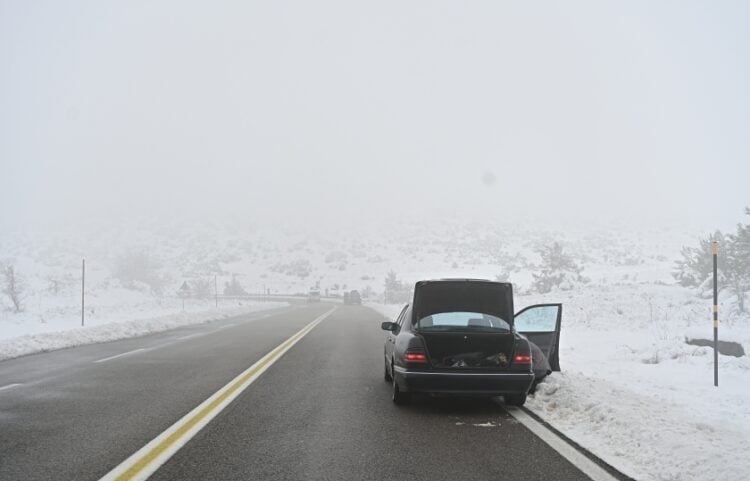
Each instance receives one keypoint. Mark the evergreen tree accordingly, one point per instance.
(737, 271)
(557, 269)
(234, 288)
(696, 267)
(395, 290)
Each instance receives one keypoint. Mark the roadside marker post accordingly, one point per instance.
(184, 292)
(83, 290)
(715, 252)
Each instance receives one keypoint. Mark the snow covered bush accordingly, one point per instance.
(695, 268)
(558, 269)
(201, 288)
(396, 291)
(301, 268)
(738, 263)
(234, 288)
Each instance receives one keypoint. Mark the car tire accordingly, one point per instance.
(387, 375)
(515, 399)
(399, 397)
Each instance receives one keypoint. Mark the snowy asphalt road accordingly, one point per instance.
(322, 411)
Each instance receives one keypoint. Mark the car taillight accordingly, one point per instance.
(522, 359)
(416, 357)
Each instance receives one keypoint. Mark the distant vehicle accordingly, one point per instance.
(352, 298)
(460, 337)
(313, 296)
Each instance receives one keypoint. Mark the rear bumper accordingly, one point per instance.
(463, 383)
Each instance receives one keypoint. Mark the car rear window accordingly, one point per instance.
(451, 296)
(462, 321)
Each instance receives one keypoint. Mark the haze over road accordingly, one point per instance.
(322, 411)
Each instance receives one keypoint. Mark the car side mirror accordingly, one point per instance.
(389, 326)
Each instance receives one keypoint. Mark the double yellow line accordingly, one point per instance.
(149, 458)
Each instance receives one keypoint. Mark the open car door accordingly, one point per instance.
(540, 324)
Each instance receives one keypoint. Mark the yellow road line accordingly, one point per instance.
(148, 459)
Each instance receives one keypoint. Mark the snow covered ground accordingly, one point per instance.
(631, 390)
(59, 333)
(635, 394)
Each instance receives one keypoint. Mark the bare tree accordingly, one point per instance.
(14, 287)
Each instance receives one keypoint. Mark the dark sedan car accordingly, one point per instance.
(352, 298)
(461, 337)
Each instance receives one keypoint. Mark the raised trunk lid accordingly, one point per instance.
(465, 324)
(463, 295)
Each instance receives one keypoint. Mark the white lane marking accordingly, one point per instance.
(144, 462)
(10, 386)
(576, 458)
(189, 336)
(219, 328)
(120, 355)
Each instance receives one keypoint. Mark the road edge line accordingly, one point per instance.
(144, 462)
(570, 453)
(122, 354)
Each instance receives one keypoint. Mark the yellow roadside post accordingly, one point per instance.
(715, 252)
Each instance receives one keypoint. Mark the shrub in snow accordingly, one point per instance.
(503, 277)
(738, 263)
(299, 267)
(234, 288)
(336, 257)
(395, 290)
(201, 288)
(695, 267)
(13, 286)
(557, 270)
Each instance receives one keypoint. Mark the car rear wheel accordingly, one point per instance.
(515, 399)
(399, 397)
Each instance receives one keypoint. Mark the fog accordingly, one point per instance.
(317, 111)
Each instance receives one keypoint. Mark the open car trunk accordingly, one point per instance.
(465, 324)
(469, 350)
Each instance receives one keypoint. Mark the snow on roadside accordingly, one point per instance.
(644, 436)
(641, 399)
(111, 331)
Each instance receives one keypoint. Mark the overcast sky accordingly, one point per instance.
(302, 109)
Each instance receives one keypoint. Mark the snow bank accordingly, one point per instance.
(645, 435)
(49, 341)
(634, 394)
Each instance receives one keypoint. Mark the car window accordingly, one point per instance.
(537, 319)
(447, 321)
(401, 317)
